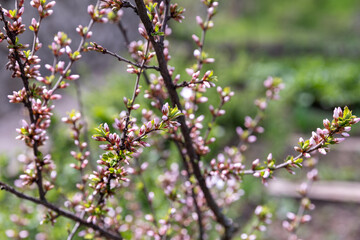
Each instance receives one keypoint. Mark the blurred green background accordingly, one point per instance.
(314, 46)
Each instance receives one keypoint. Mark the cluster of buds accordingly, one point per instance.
(263, 216)
(29, 176)
(61, 41)
(225, 96)
(120, 149)
(113, 9)
(177, 12)
(265, 171)
(43, 8)
(322, 138)
(293, 220)
(31, 134)
(273, 86)
(84, 31)
(228, 165)
(207, 24)
(96, 14)
(17, 27)
(134, 47)
(73, 119)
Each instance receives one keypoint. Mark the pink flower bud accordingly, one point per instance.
(197, 53)
(345, 134)
(266, 173)
(135, 106)
(305, 218)
(195, 38)
(50, 4)
(268, 82)
(347, 129)
(355, 120)
(199, 21)
(165, 109)
(326, 123)
(252, 139)
(339, 140)
(106, 127)
(337, 113)
(73, 77)
(322, 151)
(258, 210)
(291, 216)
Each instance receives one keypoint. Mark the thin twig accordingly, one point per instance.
(146, 192)
(123, 30)
(104, 232)
(79, 49)
(165, 20)
(129, 108)
(122, 59)
(85, 123)
(76, 227)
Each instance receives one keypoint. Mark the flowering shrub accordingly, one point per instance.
(198, 191)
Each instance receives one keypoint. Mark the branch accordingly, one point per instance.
(288, 163)
(122, 59)
(124, 33)
(197, 208)
(146, 192)
(28, 105)
(174, 97)
(79, 49)
(127, 4)
(129, 108)
(104, 232)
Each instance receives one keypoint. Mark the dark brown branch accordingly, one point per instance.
(27, 103)
(174, 97)
(104, 232)
(127, 4)
(123, 30)
(165, 20)
(197, 208)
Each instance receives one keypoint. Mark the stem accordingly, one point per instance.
(104, 232)
(124, 33)
(35, 37)
(122, 59)
(215, 116)
(197, 208)
(133, 98)
(76, 227)
(79, 49)
(174, 97)
(28, 105)
(85, 123)
(165, 20)
(146, 192)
